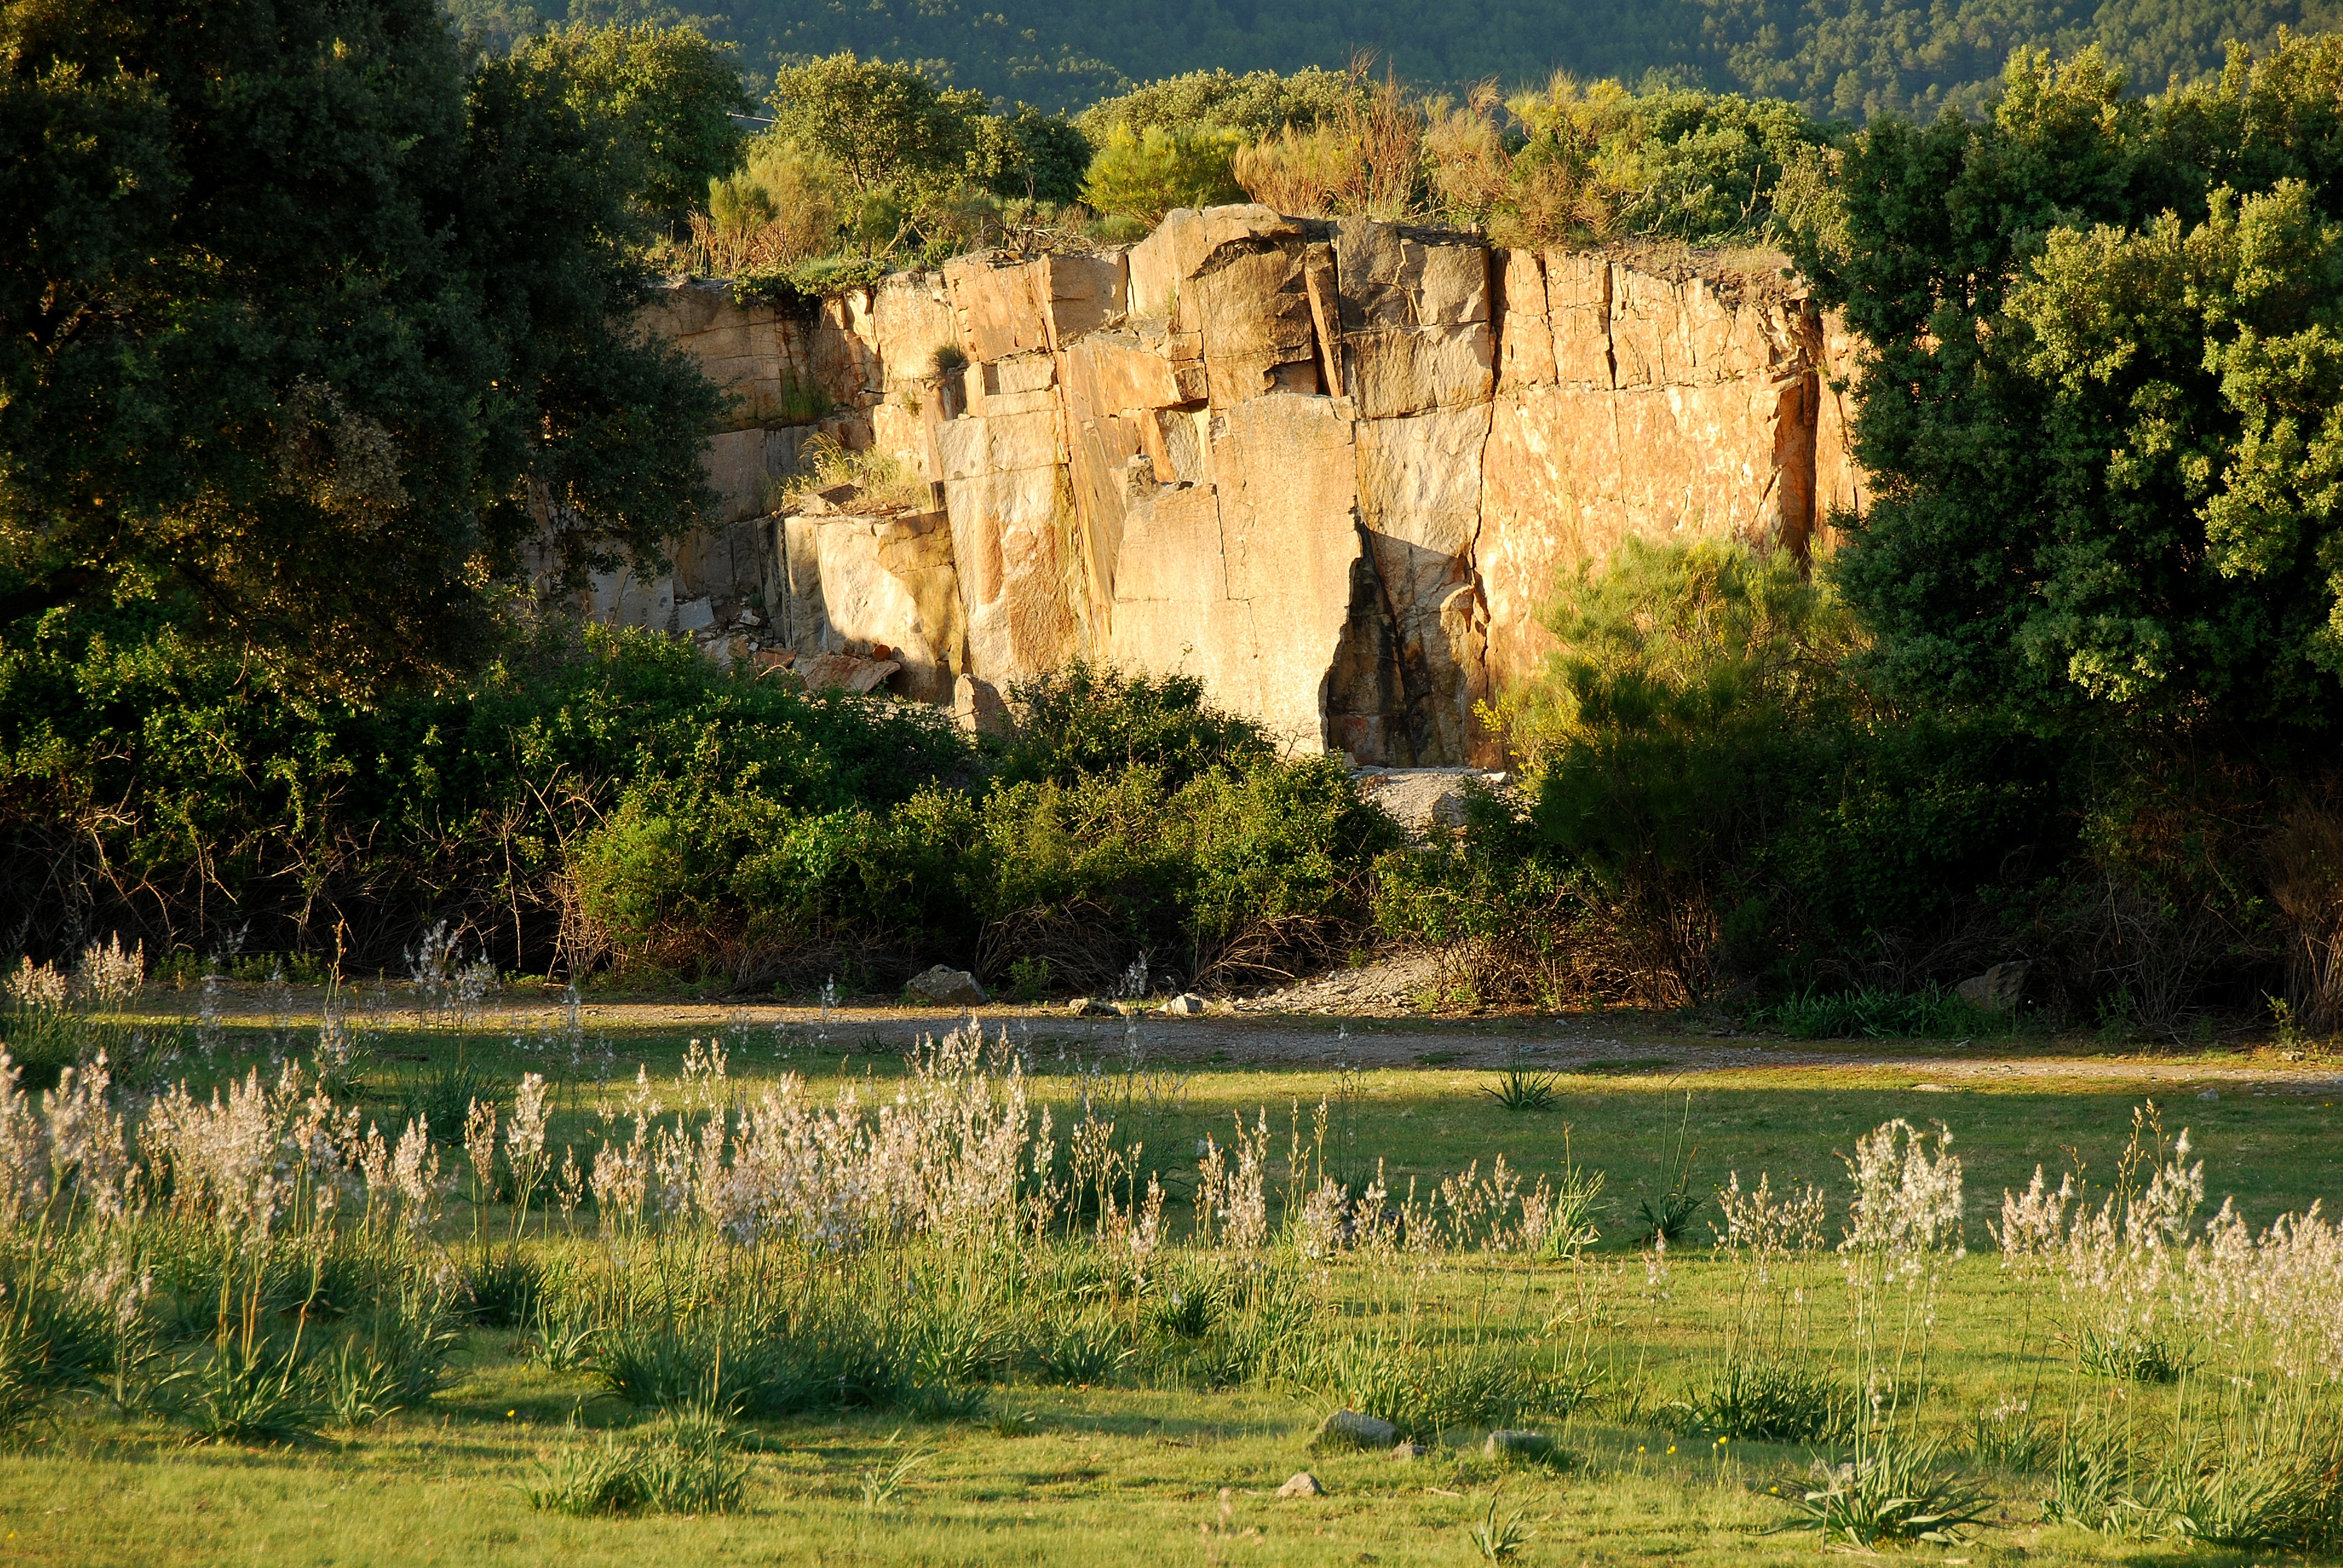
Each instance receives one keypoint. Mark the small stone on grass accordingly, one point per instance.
(1352, 1429)
(1515, 1444)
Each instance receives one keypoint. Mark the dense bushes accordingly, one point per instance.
(600, 797)
(1731, 794)
(1123, 817)
(1720, 807)
(182, 798)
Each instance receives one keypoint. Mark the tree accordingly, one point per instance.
(900, 143)
(1255, 106)
(908, 150)
(669, 91)
(1148, 174)
(1026, 153)
(2100, 406)
(307, 332)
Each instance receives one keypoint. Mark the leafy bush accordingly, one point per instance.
(1719, 806)
(1087, 719)
(1147, 175)
(1255, 104)
(286, 817)
(1503, 911)
(1124, 816)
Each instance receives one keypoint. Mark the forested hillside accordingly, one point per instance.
(1834, 57)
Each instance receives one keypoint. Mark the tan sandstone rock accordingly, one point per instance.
(1331, 467)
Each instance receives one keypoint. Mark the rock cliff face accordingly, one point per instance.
(1331, 467)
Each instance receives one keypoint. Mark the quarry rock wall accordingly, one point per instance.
(1331, 467)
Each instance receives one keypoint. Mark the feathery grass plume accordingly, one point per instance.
(1767, 1386)
(2126, 1271)
(1903, 1225)
(106, 976)
(38, 986)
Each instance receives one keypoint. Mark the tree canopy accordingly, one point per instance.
(668, 93)
(306, 328)
(902, 148)
(2104, 401)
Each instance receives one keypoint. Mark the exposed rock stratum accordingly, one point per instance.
(1331, 467)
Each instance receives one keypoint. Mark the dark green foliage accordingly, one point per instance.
(1727, 808)
(668, 92)
(1668, 1217)
(2135, 1356)
(1499, 904)
(390, 815)
(700, 819)
(2283, 1489)
(1089, 718)
(2101, 409)
(902, 144)
(296, 313)
(754, 1363)
(42, 1042)
(1028, 153)
(440, 1092)
(1124, 816)
(1875, 1012)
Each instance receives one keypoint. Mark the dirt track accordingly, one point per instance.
(1613, 1043)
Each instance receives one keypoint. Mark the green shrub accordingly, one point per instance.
(240, 805)
(1720, 804)
(1087, 719)
(1505, 912)
(1147, 175)
(1127, 816)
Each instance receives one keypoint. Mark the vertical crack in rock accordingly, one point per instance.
(1329, 467)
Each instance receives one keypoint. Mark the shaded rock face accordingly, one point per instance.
(1329, 467)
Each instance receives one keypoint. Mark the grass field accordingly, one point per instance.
(1151, 1460)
